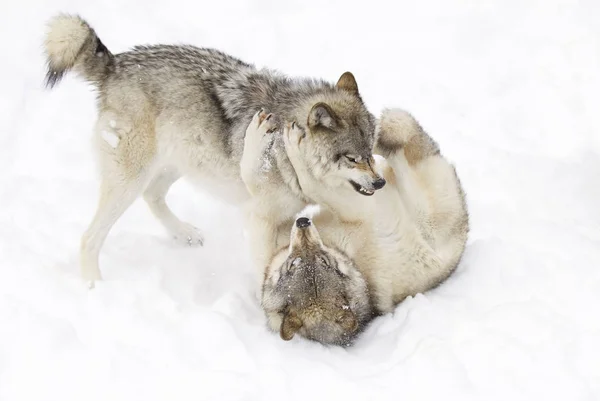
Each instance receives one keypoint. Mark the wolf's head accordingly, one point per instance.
(342, 133)
(315, 291)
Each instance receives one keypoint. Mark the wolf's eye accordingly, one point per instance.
(353, 159)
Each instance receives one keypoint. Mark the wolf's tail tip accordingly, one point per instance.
(65, 37)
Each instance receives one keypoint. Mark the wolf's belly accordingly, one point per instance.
(227, 190)
(204, 163)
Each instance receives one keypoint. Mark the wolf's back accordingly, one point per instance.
(72, 44)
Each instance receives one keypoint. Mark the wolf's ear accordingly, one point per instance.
(347, 83)
(289, 326)
(322, 115)
(348, 321)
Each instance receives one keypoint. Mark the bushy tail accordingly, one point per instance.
(72, 44)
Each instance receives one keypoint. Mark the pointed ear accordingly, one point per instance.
(322, 115)
(289, 326)
(347, 83)
(348, 321)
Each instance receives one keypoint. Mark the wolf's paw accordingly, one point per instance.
(261, 124)
(292, 138)
(258, 136)
(395, 128)
(255, 162)
(188, 235)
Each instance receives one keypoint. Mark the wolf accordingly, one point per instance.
(336, 271)
(168, 111)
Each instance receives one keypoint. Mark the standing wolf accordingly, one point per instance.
(366, 257)
(168, 111)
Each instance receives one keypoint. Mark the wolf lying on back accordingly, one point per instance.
(167, 111)
(327, 284)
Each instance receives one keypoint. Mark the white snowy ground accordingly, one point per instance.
(508, 88)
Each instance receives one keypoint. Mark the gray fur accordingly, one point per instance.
(322, 288)
(174, 111)
(368, 254)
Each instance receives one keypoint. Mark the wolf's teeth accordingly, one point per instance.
(364, 191)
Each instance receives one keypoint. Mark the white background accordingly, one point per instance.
(508, 88)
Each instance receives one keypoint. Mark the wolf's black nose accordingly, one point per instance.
(302, 222)
(379, 183)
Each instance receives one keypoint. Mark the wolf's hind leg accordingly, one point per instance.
(115, 197)
(155, 195)
(126, 154)
(399, 130)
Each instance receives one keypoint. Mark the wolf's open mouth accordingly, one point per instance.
(360, 189)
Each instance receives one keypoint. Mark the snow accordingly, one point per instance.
(111, 138)
(508, 88)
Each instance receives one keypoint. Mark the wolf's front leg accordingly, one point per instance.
(262, 184)
(256, 162)
(262, 238)
(293, 138)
